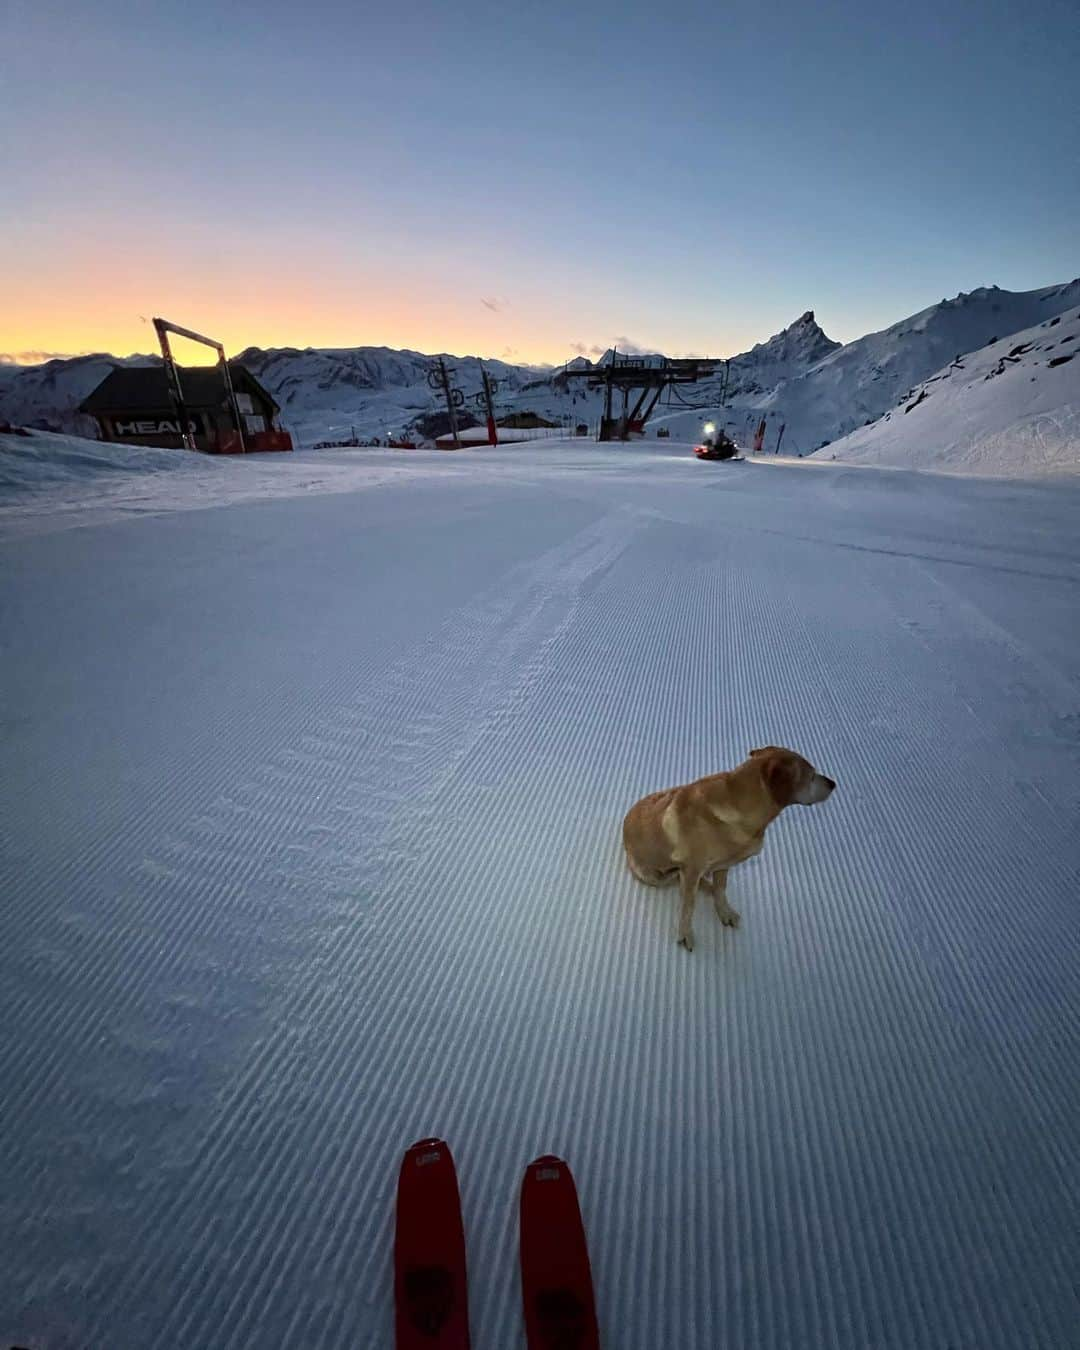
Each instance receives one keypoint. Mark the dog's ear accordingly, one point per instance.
(765, 750)
(781, 773)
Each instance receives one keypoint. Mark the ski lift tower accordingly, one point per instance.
(643, 378)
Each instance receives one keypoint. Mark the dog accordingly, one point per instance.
(696, 833)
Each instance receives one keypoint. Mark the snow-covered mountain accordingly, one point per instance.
(324, 393)
(859, 382)
(799, 379)
(327, 392)
(785, 356)
(1011, 407)
(48, 396)
(820, 391)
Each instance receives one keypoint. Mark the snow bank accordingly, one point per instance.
(50, 483)
(43, 459)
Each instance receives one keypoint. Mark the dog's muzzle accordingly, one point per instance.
(819, 788)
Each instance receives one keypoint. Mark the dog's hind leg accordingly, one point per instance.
(724, 912)
(688, 884)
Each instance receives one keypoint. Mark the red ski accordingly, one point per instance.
(430, 1292)
(556, 1280)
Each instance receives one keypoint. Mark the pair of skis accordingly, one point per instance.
(430, 1285)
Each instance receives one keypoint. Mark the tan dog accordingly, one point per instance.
(694, 834)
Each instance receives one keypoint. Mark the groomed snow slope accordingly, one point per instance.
(1011, 409)
(310, 848)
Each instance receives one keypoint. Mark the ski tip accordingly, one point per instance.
(546, 1168)
(430, 1276)
(556, 1274)
(427, 1153)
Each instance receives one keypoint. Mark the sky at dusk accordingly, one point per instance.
(525, 181)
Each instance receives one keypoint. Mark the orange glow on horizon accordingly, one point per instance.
(102, 300)
(32, 339)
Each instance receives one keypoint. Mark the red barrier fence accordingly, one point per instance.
(229, 442)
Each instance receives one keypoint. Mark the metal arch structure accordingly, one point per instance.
(176, 390)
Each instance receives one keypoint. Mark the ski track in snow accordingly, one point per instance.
(312, 849)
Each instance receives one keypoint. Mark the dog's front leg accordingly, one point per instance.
(689, 877)
(724, 912)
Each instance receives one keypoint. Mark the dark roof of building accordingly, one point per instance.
(131, 389)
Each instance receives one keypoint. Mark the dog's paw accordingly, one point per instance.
(728, 916)
(686, 940)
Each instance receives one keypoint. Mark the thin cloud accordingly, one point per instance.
(36, 358)
(624, 345)
(494, 303)
(630, 348)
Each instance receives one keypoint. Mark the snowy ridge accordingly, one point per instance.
(1009, 408)
(325, 907)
